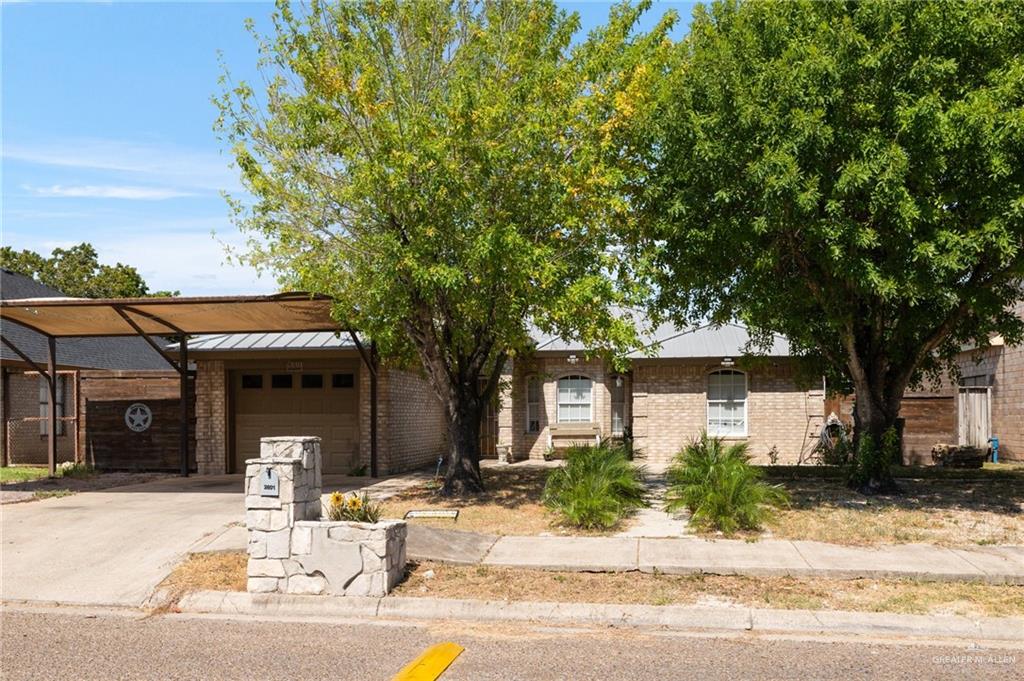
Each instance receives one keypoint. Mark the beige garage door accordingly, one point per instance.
(324, 402)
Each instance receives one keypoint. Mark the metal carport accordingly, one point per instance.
(56, 318)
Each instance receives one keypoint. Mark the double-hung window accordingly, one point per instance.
(727, 403)
(574, 395)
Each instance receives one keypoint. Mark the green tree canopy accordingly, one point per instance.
(850, 175)
(77, 272)
(445, 171)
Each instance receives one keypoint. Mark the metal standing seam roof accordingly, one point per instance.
(671, 342)
(299, 340)
(726, 340)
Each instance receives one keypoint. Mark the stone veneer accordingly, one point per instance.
(291, 550)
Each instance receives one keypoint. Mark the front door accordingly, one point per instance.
(974, 417)
(489, 430)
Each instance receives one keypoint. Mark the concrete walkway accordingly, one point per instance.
(766, 558)
(654, 520)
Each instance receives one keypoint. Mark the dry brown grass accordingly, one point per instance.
(510, 506)
(226, 572)
(221, 571)
(493, 583)
(942, 512)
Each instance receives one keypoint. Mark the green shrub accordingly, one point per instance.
(870, 470)
(597, 486)
(719, 487)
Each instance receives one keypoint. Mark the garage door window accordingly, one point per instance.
(312, 381)
(252, 381)
(281, 381)
(342, 381)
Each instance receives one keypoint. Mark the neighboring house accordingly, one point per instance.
(987, 402)
(682, 382)
(98, 379)
(257, 385)
(990, 397)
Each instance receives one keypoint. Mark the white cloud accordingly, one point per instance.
(94, 191)
(171, 255)
(157, 163)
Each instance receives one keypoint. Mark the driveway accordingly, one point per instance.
(113, 546)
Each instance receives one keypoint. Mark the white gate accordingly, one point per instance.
(974, 417)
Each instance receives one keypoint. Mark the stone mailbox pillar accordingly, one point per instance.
(281, 487)
(292, 549)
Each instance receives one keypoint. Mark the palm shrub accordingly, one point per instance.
(597, 486)
(719, 487)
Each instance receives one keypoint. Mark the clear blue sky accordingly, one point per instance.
(107, 132)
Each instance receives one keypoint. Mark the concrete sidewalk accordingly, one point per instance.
(687, 555)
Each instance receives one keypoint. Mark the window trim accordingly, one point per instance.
(744, 401)
(589, 402)
(540, 400)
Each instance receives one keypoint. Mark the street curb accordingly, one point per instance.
(665, 617)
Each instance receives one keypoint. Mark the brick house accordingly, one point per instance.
(682, 382)
(256, 385)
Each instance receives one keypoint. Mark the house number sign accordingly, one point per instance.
(270, 483)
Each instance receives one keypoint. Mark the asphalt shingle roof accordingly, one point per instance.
(120, 352)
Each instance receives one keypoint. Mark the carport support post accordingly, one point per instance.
(183, 374)
(373, 410)
(51, 414)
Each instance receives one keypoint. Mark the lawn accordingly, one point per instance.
(510, 506)
(981, 507)
(226, 572)
(787, 593)
(935, 508)
(12, 474)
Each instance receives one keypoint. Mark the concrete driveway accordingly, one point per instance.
(113, 546)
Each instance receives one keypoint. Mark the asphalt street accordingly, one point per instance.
(74, 644)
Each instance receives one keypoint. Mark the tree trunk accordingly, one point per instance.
(873, 417)
(463, 473)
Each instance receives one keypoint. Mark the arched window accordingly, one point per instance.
(533, 394)
(727, 403)
(574, 393)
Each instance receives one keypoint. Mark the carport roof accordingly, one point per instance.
(87, 317)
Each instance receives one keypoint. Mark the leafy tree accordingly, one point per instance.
(77, 272)
(443, 169)
(850, 175)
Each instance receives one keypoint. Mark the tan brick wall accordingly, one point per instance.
(670, 408)
(512, 417)
(416, 431)
(1005, 366)
(211, 417)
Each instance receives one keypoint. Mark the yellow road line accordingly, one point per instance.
(431, 663)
